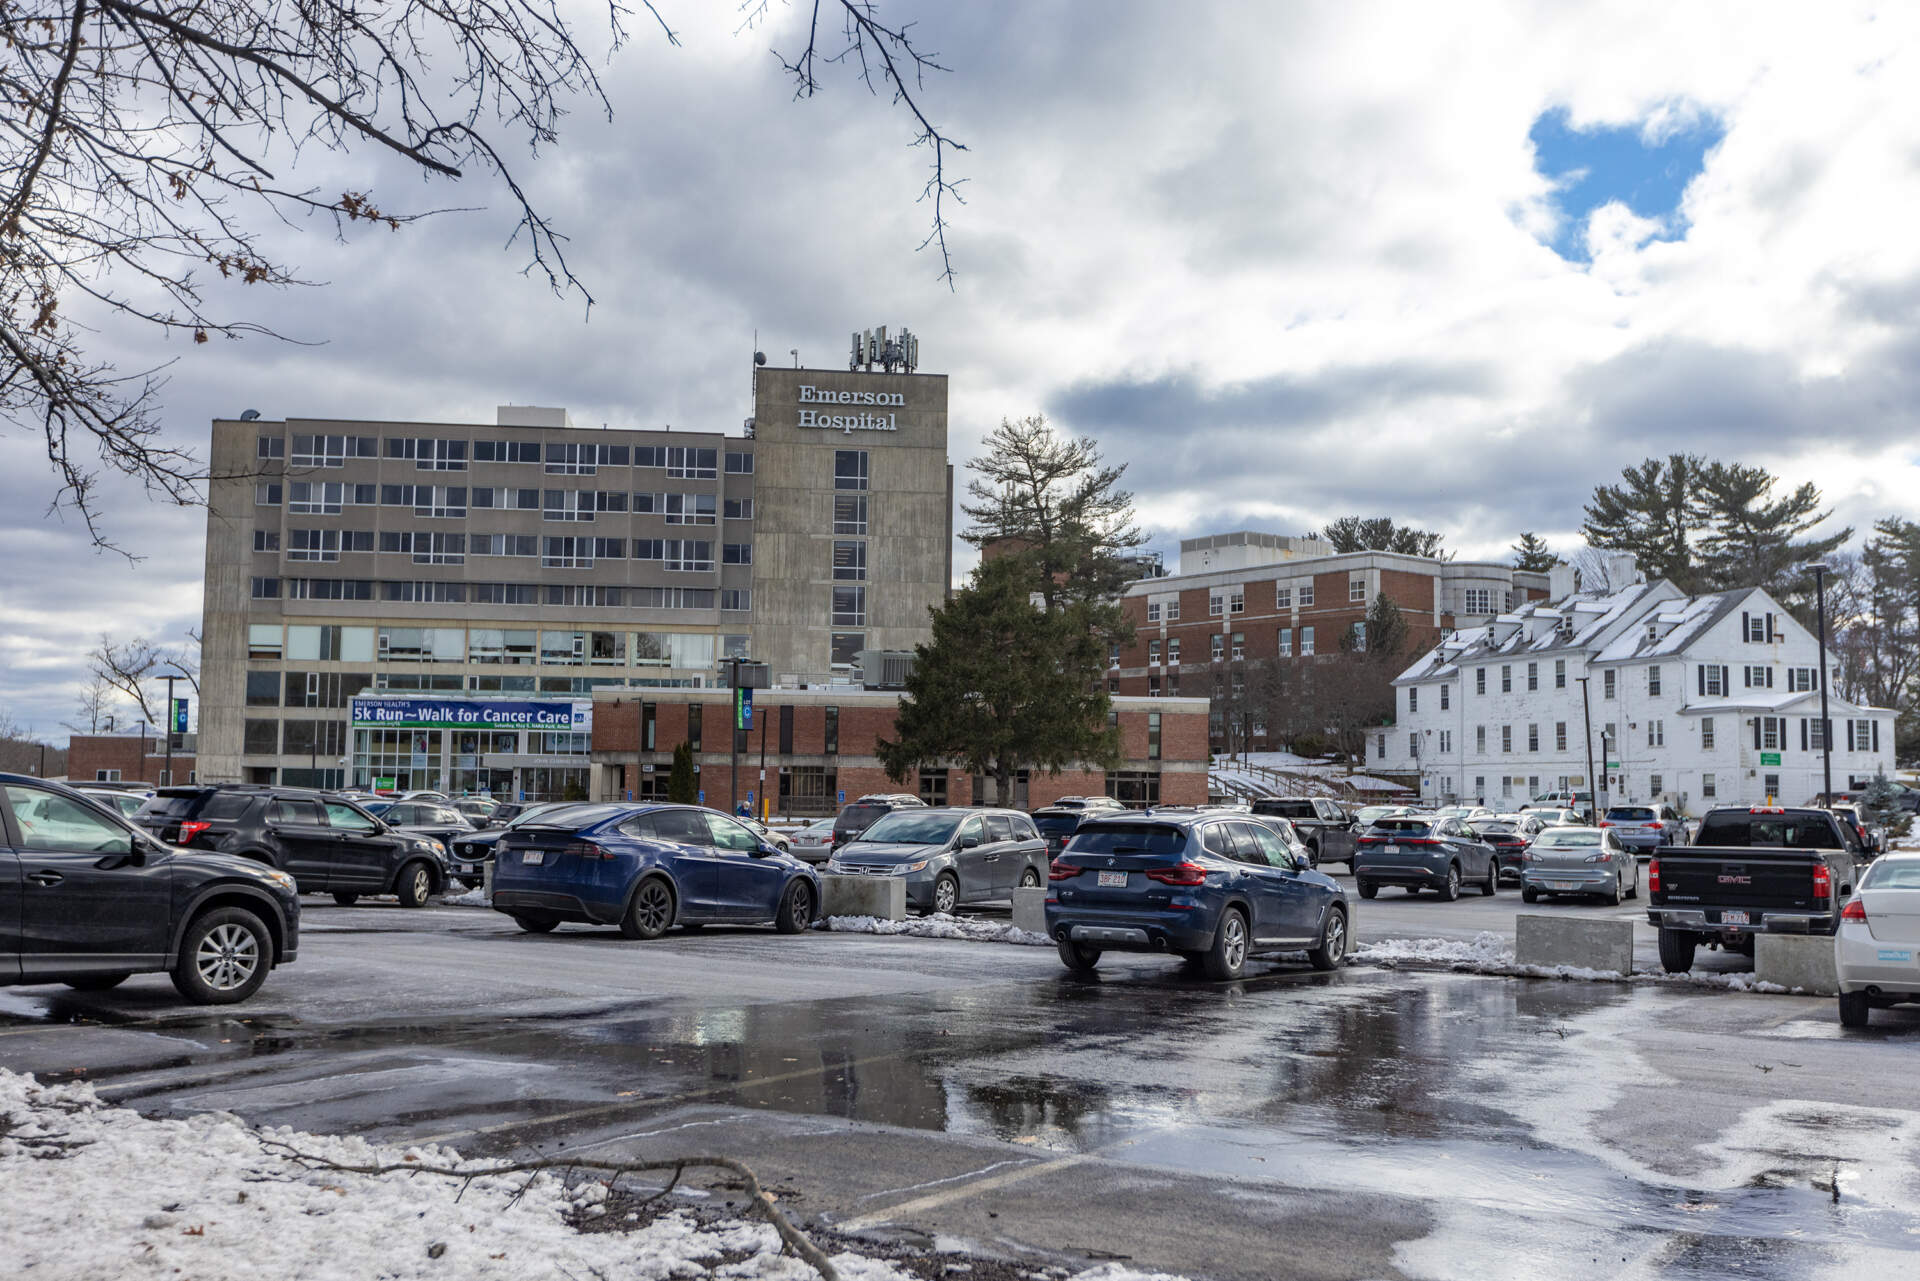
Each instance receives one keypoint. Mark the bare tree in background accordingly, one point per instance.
(144, 145)
(94, 708)
(129, 667)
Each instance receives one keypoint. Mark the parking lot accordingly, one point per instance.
(974, 1097)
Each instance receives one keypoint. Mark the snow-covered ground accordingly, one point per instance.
(1283, 773)
(940, 926)
(99, 1193)
(1490, 953)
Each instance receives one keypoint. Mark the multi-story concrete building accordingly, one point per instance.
(1697, 701)
(527, 563)
(1248, 597)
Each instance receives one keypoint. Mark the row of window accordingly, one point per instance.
(430, 548)
(332, 497)
(329, 738)
(506, 646)
(1770, 734)
(571, 459)
(1714, 680)
(443, 593)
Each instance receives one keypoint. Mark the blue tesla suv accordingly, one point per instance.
(1212, 888)
(645, 868)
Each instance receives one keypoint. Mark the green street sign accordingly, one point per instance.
(1769, 758)
(383, 785)
(1613, 764)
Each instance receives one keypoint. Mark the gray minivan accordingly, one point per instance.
(948, 856)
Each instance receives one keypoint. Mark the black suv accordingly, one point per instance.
(89, 900)
(329, 845)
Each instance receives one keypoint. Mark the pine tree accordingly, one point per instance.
(1654, 515)
(1004, 685)
(1532, 554)
(683, 786)
(1755, 540)
(1380, 534)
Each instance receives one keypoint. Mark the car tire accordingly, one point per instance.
(1078, 957)
(1029, 880)
(1451, 890)
(1313, 853)
(1855, 1009)
(1529, 895)
(946, 890)
(224, 957)
(1227, 958)
(1331, 952)
(1492, 885)
(344, 898)
(1633, 886)
(1613, 895)
(1368, 889)
(414, 884)
(796, 909)
(536, 924)
(649, 911)
(97, 982)
(1676, 951)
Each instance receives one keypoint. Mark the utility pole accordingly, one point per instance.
(766, 809)
(1819, 569)
(1593, 786)
(733, 736)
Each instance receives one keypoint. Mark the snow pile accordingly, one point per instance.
(1489, 953)
(940, 925)
(475, 897)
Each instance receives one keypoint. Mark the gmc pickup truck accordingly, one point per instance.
(1750, 871)
(1327, 829)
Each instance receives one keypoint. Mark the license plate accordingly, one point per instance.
(1112, 880)
(1895, 954)
(1563, 885)
(532, 857)
(1733, 918)
(1393, 849)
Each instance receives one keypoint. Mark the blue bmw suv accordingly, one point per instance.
(645, 868)
(1212, 888)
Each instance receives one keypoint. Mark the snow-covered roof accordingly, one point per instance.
(1805, 701)
(1537, 627)
(1670, 631)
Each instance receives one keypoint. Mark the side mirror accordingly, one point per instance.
(1301, 863)
(765, 849)
(969, 842)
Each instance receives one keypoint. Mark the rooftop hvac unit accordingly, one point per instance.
(885, 668)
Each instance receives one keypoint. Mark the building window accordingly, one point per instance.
(260, 738)
(1707, 787)
(1706, 732)
(1173, 683)
(266, 540)
(263, 689)
(738, 599)
(1305, 595)
(933, 786)
(1506, 679)
(849, 607)
(1480, 739)
(1153, 652)
(688, 463)
(1559, 673)
(739, 509)
(1713, 680)
(687, 556)
(849, 513)
(1655, 785)
(1239, 646)
(1173, 616)
(1306, 641)
(1656, 734)
(736, 554)
(1606, 684)
(1237, 601)
(1479, 680)
(1506, 738)
(1446, 741)
(1153, 684)
(1356, 589)
(1862, 736)
(1286, 642)
(850, 469)
(1444, 699)
(1533, 676)
(317, 498)
(266, 589)
(1380, 747)
(1653, 682)
(266, 494)
(1359, 638)
(1533, 738)
(1113, 656)
(830, 733)
(1219, 644)
(1479, 600)
(686, 509)
(1802, 679)
(846, 647)
(1772, 782)
(1282, 597)
(739, 464)
(1759, 678)
(1769, 732)
(1413, 699)
(270, 447)
(1755, 627)
(1559, 736)
(1216, 605)
(263, 640)
(1153, 611)
(1173, 649)
(850, 560)
(506, 451)
(1413, 745)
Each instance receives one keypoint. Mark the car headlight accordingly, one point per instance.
(921, 866)
(428, 843)
(281, 879)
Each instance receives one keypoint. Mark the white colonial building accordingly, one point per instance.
(1697, 701)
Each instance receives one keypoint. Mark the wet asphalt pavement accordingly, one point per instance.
(1374, 1123)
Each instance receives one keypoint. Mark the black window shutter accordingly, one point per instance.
(1701, 673)
(1876, 736)
(1769, 678)
(1746, 627)
(1756, 733)
(1769, 626)
(1726, 679)
(1803, 734)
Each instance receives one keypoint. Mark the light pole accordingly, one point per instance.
(1820, 569)
(1593, 785)
(171, 678)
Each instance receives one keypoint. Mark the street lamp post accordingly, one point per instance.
(1819, 569)
(1593, 786)
(171, 678)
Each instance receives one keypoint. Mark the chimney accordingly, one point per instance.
(1560, 581)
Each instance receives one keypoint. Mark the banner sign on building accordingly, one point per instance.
(459, 713)
(743, 708)
(179, 716)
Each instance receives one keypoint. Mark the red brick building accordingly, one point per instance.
(138, 756)
(810, 747)
(1248, 597)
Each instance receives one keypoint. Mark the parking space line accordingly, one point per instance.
(934, 1200)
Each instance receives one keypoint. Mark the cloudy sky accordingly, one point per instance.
(1456, 263)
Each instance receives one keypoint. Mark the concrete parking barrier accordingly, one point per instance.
(1540, 939)
(1804, 961)
(881, 896)
(1030, 909)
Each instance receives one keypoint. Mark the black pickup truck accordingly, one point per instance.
(1323, 825)
(1751, 870)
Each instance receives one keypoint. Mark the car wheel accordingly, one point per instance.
(1633, 886)
(649, 911)
(1331, 952)
(1077, 957)
(1529, 895)
(1855, 1009)
(536, 924)
(224, 957)
(1451, 890)
(796, 909)
(1029, 880)
(1227, 958)
(1676, 951)
(416, 885)
(946, 892)
(1492, 885)
(1368, 889)
(345, 899)
(97, 982)
(1313, 853)
(1613, 895)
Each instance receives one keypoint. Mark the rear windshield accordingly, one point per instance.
(1770, 831)
(577, 816)
(1410, 826)
(857, 816)
(1630, 814)
(913, 827)
(1056, 824)
(169, 806)
(1129, 838)
(1568, 839)
(1285, 809)
(1903, 874)
(1495, 829)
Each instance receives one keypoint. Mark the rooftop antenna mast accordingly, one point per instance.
(893, 355)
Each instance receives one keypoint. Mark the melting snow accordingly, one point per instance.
(940, 925)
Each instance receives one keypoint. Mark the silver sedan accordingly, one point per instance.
(1579, 860)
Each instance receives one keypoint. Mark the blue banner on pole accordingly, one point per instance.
(743, 709)
(843, 796)
(179, 715)
(703, 796)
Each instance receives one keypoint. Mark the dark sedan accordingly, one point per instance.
(1213, 889)
(1419, 853)
(1510, 834)
(645, 868)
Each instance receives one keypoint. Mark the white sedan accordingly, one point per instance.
(1876, 952)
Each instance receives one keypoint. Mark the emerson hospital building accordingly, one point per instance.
(534, 609)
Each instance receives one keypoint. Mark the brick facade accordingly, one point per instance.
(126, 758)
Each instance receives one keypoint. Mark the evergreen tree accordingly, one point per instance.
(1531, 554)
(1380, 534)
(1653, 514)
(1754, 540)
(683, 786)
(1004, 685)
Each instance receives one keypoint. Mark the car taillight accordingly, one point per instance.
(1822, 883)
(1606, 823)
(1058, 871)
(1653, 876)
(1178, 874)
(192, 829)
(587, 849)
(1655, 825)
(1855, 910)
